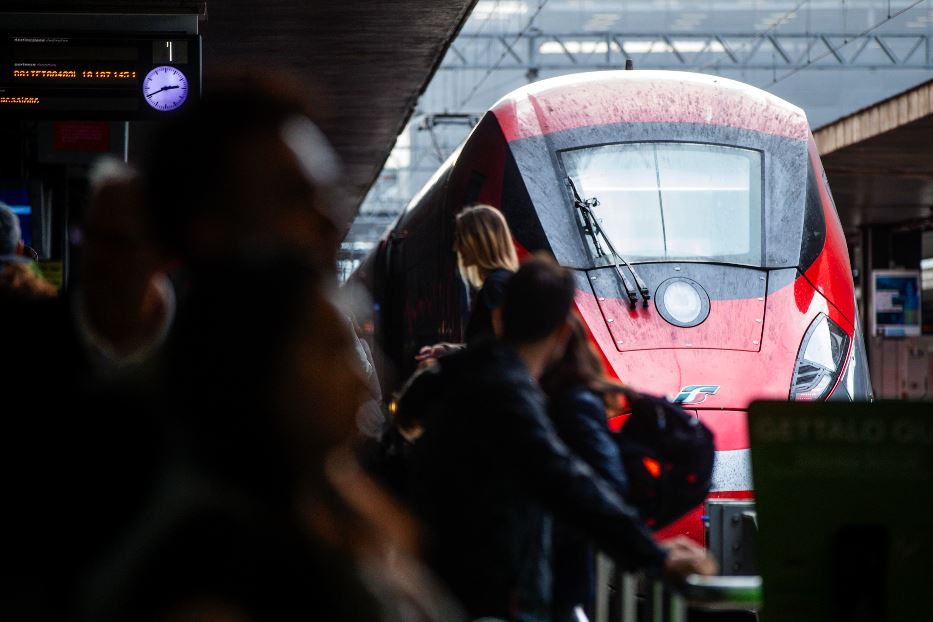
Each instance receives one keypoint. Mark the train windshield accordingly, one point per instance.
(674, 201)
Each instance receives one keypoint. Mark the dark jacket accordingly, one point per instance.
(78, 460)
(579, 416)
(489, 297)
(211, 544)
(486, 475)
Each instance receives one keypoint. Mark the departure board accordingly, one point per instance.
(123, 77)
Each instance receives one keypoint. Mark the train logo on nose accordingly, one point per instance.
(694, 394)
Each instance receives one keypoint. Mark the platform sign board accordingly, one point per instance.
(80, 142)
(896, 303)
(844, 496)
(104, 77)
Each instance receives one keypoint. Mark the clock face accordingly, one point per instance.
(165, 88)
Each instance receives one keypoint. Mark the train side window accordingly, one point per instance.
(814, 223)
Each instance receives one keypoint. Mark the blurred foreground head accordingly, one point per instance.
(537, 301)
(245, 171)
(267, 373)
(118, 252)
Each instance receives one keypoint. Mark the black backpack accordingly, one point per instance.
(668, 457)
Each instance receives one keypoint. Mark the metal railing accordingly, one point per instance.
(627, 597)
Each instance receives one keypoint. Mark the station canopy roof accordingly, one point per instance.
(367, 61)
(879, 161)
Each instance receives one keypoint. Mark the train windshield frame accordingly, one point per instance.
(663, 201)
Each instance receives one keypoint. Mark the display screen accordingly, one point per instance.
(97, 78)
(896, 302)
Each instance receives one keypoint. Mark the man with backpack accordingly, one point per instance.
(489, 470)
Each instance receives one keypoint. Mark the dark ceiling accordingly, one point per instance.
(103, 6)
(884, 175)
(885, 179)
(365, 61)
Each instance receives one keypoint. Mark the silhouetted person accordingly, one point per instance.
(118, 313)
(245, 173)
(260, 512)
(18, 281)
(82, 449)
(247, 170)
(579, 399)
(489, 468)
(487, 259)
(124, 303)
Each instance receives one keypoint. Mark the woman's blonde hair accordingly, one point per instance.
(483, 232)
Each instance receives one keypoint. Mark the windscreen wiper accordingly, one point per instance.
(591, 228)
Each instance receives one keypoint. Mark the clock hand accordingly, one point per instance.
(164, 88)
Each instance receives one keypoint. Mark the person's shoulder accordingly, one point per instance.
(498, 278)
(488, 370)
(492, 355)
(580, 396)
(577, 403)
(19, 281)
(494, 286)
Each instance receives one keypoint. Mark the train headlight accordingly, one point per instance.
(682, 302)
(820, 360)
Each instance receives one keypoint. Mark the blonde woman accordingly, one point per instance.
(487, 259)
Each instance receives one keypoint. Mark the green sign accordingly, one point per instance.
(844, 495)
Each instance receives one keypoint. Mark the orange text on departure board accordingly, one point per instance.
(51, 74)
(18, 100)
(98, 74)
(72, 74)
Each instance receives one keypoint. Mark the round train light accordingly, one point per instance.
(682, 302)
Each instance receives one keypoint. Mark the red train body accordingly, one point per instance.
(711, 189)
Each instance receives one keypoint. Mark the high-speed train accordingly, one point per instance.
(693, 210)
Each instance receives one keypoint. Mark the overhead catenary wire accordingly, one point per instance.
(751, 44)
(835, 50)
(517, 38)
